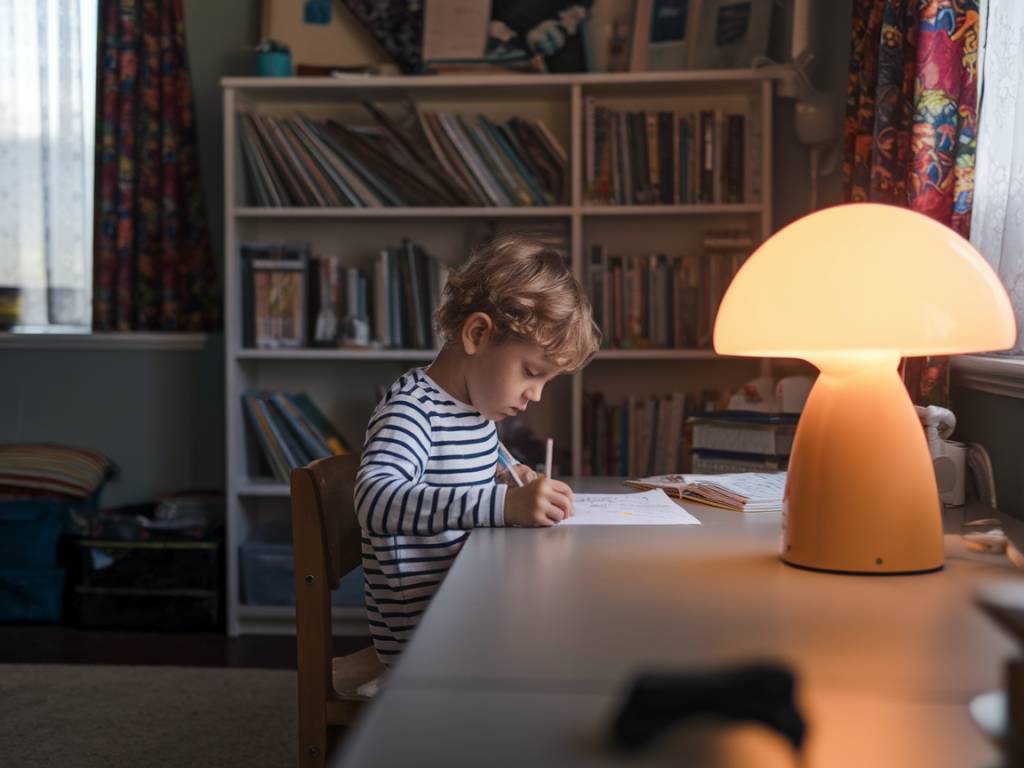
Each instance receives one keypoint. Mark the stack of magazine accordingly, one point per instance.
(289, 431)
(741, 492)
(419, 159)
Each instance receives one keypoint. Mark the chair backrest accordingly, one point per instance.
(323, 502)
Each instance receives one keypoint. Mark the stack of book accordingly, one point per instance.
(660, 300)
(291, 298)
(289, 431)
(742, 441)
(666, 157)
(635, 437)
(432, 159)
(741, 492)
(274, 295)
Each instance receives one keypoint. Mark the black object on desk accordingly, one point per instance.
(762, 693)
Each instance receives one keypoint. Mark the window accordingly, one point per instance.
(47, 122)
(997, 219)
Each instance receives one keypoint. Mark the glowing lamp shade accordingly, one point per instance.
(852, 289)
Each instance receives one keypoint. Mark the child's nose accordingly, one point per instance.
(533, 393)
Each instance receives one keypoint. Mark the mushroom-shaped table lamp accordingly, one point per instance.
(852, 289)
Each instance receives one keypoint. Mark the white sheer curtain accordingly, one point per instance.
(47, 119)
(997, 219)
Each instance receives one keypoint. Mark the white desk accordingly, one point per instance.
(525, 651)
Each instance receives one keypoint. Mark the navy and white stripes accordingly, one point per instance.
(426, 478)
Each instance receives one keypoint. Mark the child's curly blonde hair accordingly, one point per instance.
(526, 288)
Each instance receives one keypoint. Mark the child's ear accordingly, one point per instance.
(476, 332)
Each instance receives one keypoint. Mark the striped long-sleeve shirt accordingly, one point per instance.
(427, 477)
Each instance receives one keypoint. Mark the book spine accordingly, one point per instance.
(457, 162)
(734, 160)
(357, 156)
(468, 153)
(296, 448)
(617, 281)
(285, 448)
(314, 445)
(324, 429)
(653, 159)
(650, 298)
(255, 183)
(682, 170)
(380, 284)
(666, 158)
(521, 172)
(329, 163)
(589, 149)
(706, 191)
(496, 164)
(542, 177)
(720, 138)
(261, 431)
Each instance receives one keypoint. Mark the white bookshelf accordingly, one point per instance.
(342, 381)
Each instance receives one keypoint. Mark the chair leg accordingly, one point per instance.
(312, 732)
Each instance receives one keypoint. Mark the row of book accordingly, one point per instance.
(636, 436)
(742, 441)
(667, 157)
(663, 301)
(425, 159)
(286, 431)
(663, 435)
(293, 299)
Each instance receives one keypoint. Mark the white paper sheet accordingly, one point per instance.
(648, 508)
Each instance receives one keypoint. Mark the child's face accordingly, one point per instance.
(504, 378)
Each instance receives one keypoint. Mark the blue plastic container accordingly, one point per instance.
(268, 572)
(31, 527)
(31, 594)
(31, 583)
(29, 532)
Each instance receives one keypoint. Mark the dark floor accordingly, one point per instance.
(54, 644)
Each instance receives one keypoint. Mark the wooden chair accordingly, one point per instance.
(326, 541)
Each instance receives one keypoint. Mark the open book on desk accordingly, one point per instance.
(741, 491)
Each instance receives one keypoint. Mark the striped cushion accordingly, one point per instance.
(74, 472)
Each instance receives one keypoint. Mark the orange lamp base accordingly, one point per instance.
(861, 494)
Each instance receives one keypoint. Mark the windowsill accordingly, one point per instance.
(83, 339)
(993, 374)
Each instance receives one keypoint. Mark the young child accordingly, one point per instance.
(513, 317)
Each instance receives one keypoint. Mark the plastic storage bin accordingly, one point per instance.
(268, 572)
(31, 594)
(31, 576)
(153, 584)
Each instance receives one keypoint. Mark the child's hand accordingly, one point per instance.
(541, 502)
(526, 475)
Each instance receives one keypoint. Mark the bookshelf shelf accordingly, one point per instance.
(668, 210)
(336, 354)
(256, 488)
(657, 354)
(357, 83)
(345, 382)
(425, 212)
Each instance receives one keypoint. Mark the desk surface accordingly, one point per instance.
(530, 620)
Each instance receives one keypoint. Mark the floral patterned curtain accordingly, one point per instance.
(911, 125)
(152, 268)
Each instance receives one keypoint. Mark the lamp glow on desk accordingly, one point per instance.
(852, 289)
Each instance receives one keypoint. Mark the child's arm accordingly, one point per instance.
(391, 497)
